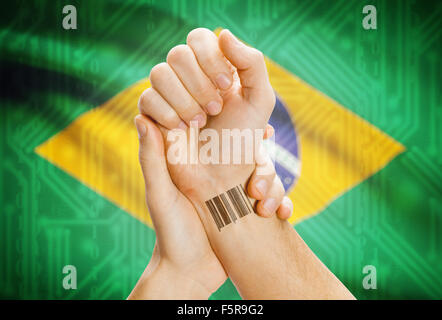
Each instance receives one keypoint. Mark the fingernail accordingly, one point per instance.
(182, 125)
(213, 108)
(223, 81)
(270, 205)
(141, 128)
(200, 119)
(261, 186)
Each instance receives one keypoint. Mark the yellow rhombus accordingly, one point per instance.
(338, 149)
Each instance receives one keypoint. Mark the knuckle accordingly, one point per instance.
(158, 71)
(197, 34)
(177, 53)
(257, 55)
(145, 99)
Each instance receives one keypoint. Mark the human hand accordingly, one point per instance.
(183, 265)
(184, 88)
(265, 258)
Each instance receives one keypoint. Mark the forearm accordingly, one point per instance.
(267, 259)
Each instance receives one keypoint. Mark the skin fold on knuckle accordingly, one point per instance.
(144, 102)
(179, 54)
(198, 35)
(256, 55)
(158, 73)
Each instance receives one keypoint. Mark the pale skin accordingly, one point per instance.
(183, 264)
(222, 84)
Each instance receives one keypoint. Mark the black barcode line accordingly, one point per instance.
(233, 193)
(233, 200)
(243, 194)
(243, 209)
(218, 214)
(229, 206)
(214, 214)
(221, 210)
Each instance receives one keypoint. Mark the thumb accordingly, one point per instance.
(159, 186)
(250, 66)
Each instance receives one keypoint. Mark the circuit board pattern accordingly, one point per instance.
(50, 76)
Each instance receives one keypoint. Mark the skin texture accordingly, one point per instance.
(264, 257)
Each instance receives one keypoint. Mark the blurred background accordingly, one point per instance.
(50, 76)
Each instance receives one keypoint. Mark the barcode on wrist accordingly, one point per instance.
(229, 206)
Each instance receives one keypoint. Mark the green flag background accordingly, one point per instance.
(49, 76)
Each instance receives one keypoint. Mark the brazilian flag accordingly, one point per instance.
(358, 138)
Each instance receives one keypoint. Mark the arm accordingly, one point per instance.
(265, 258)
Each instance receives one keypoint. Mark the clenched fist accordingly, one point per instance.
(218, 83)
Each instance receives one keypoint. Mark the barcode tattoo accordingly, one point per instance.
(229, 206)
